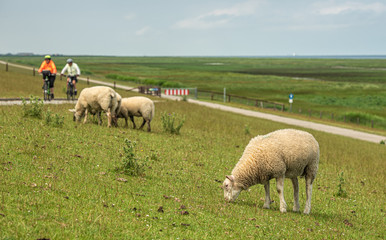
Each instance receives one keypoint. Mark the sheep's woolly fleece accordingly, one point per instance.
(283, 152)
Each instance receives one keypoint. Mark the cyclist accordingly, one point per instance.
(73, 72)
(49, 65)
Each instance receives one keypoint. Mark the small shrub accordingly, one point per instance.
(53, 120)
(34, 108)
(131, 164)
(48, 117)
(341, 192)
(382, 142)
(247, 130)
(172, 122)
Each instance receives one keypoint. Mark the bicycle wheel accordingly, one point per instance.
(46, 90)
(72, 93)
(68, 92)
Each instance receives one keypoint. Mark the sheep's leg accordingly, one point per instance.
(143, 124)
(267, 202)
(295, 184)
(132, 119)
(108, 118)
(280, 190)
(85, 116)
(309, 181)
(99, 118)
(126, 124)
(148, 126)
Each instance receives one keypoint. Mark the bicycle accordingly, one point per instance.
(46, 86)
(70, 89)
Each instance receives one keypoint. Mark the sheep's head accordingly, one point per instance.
(76, 115)
(231, 189)
(114, 121)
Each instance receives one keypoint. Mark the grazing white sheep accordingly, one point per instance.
(138, 107)
(115, 118)
(286, 153)
(95, 100)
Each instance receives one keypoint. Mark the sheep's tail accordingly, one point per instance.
(152, 110)
(148, 112)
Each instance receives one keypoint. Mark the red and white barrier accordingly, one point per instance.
(177, 92)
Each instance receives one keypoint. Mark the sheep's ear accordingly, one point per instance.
(72, 110)
(231, 178)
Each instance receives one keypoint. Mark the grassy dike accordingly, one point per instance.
(62, 183)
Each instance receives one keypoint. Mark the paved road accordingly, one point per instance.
(290, 121)
(295, 122)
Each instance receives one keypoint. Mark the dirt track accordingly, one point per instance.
(290, 121)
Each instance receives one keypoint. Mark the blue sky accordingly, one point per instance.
(194, 28)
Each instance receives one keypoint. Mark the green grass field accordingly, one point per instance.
(61, 182)
(347, 88)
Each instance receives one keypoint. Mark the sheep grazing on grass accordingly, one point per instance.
(286, 153)
(95, 100)
(115, 118)
(138, 107)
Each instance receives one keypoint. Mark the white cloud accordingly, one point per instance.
(129, 16)
(351, 7)
(219, 17)
(317, 27)
(142, 31)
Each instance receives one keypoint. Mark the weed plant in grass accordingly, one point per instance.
(130, 163)
(32, 109)
(61, 182)
(172, 122)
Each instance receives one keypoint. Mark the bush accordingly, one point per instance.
(53, 120)
(341, 192)
(363, 117)
(130, 163)
(247, 129)
(34, 108)
(172, 122)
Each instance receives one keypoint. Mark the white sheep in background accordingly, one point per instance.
(138, 107)
(95, 100)
(286, 153)
(115, 118)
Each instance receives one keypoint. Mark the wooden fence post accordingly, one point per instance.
(6, 67)
(282, 108)
(88, 81)
(372, 123)
(229, 98)
(211, 96)
(33, 72)
(114, 84)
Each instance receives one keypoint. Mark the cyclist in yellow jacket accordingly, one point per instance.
(49, 65)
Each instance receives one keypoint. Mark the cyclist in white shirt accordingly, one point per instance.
(73, 72)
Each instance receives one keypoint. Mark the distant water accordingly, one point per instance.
(320, 56)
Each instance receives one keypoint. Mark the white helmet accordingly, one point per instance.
(69, 60)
